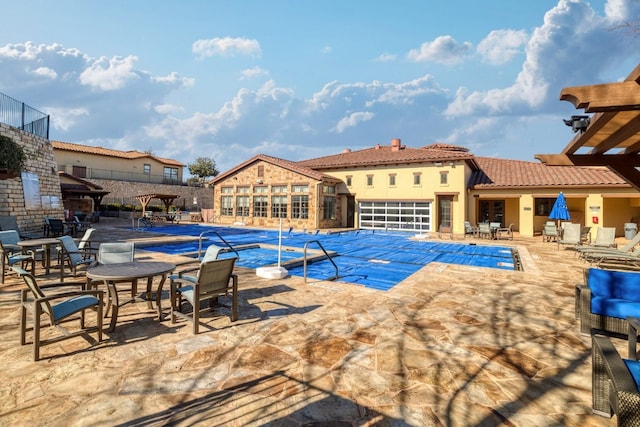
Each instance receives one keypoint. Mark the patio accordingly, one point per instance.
(451, 345)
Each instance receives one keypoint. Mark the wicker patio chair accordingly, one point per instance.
(34, 300)
(215, 278)
(589, 321)
(615, 383)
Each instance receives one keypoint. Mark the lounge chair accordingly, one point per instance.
(570, 235)
(215, 278)
(34, 300)
(614, 383)
(11, 253)
(588, 252)
(550, 232)
(605, 237)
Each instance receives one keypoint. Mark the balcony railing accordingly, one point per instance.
(93, 173)
(21, 116)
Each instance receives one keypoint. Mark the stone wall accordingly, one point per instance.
(124, 192)
(40, 162)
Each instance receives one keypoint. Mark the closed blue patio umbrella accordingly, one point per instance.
(560, 212)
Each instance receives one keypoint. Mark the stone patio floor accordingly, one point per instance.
(449, 346)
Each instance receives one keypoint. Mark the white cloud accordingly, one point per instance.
(109, 73)
(571, 47)
(443, 50)
(64, 119)
(326, 50)
(501, 46)
(45, 72)
(386, 57)
(250, 73)
(174, 78)
(168, 108)
(353, 119)
(226, 46)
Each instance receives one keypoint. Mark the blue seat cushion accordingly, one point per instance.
(634, 369)
(73, 305)
(614, 284)
(615, 307)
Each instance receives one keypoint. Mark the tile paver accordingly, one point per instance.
(451, 345)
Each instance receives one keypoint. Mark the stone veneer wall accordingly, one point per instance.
(40, 161)
(125, 192)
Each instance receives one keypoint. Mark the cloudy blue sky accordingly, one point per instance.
(303, 79)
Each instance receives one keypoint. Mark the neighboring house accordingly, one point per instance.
(88, 162)
(436, 187)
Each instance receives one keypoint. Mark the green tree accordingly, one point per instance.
(203, 168)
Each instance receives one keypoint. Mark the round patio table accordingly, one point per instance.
(111, 274)
(44, 243)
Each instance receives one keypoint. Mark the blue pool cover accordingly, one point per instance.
(377, 260)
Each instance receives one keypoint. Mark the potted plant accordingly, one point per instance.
(12, 158)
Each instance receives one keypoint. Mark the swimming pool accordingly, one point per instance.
(377, 260)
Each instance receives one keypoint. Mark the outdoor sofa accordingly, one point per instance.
(606, 299)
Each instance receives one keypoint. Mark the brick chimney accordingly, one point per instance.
(395, 144)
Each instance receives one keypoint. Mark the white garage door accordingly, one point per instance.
(395, 215)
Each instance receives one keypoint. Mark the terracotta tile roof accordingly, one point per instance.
(101, 151)
(501, 173)
(385, 155)
(286, 164)
(80, 181)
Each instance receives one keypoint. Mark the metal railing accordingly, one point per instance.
(20, 115)
(304, 263)
(219, 237)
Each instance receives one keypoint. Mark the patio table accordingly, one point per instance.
(44, 243)
(111, 274)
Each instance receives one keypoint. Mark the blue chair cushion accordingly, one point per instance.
(614, 284)
(73, 305)
(615, 307)
(634, 369)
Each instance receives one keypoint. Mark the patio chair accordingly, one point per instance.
(54, 227)
(505, 231)
(615, 383)
(585, 235)
(117, 253)
(484, 230)
(570, 235)
(215, 278)
(550, 232)
(11, 223)
(37, 302)
(72, 256)
(469, 229)
(12, 254)
(605, 237)
(84, 246)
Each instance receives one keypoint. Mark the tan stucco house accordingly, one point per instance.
(88, 162)
(433, 188)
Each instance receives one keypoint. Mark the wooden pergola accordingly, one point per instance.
(167, 199)
(611, 137)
